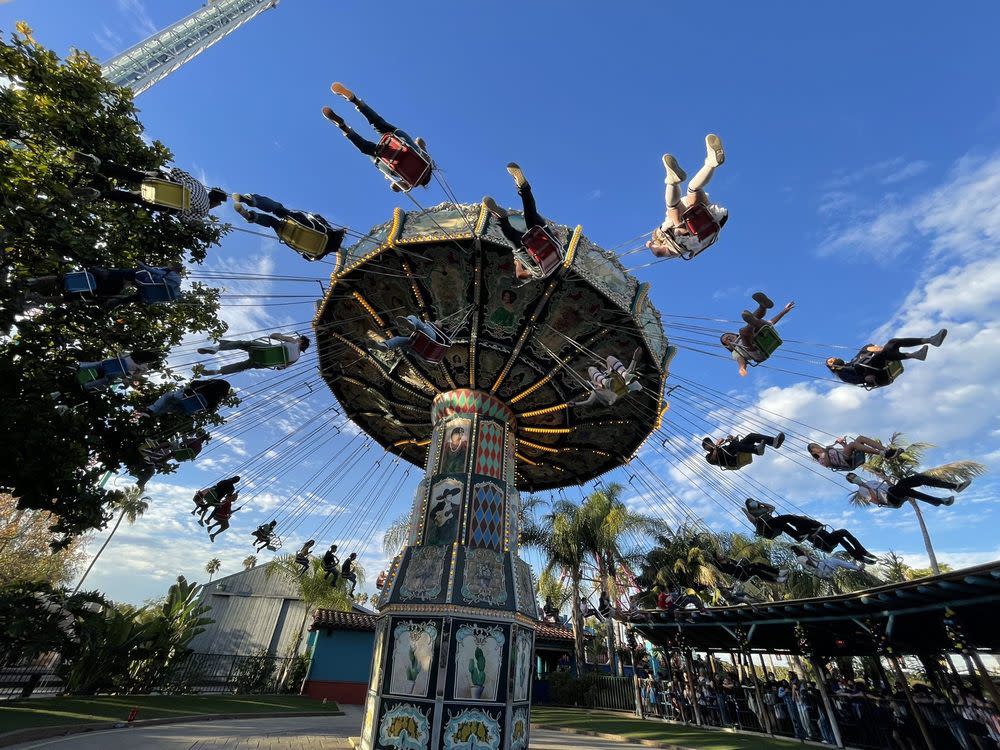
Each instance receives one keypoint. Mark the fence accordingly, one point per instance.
(198, 673)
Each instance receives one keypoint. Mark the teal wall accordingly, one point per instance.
(341, 655)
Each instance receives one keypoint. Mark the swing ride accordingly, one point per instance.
(527, 346)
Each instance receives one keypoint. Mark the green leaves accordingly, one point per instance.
(55, 461)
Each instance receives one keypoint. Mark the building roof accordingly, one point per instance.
(328, 619)
(911, 614)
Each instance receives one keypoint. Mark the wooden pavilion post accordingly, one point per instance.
(917, 715)
(692, 686)
(761, 706)
(989, 687)
(824, 692)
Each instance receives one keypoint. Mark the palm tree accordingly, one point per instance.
(559, 536)
(907, 463)
(130, 505)
(315, 589)
(249, 561)
(212, 567)
(394, 538)
(608, 527)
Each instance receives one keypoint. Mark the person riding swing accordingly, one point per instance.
(426, 340)
(537, 252)
(402, 159)
(613, 382)
(308, 234)
(847, 455)
(803, 529)
(265, 538)
(878, 366)
(331, 564)
(733, 453)
(277, 351)
(758, 339)
(692, 224)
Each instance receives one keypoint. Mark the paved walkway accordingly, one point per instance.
(304, 733)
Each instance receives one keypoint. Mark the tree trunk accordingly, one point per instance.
(927, 537)
(577, 626)
(118, 523)
(614, 663)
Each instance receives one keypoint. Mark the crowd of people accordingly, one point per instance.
(867, 715)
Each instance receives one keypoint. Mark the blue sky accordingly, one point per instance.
(862, 179)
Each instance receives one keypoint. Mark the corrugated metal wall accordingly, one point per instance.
(252, 613)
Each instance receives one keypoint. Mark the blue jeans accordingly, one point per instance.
(168, 402)
(824, 727)
(793, 714)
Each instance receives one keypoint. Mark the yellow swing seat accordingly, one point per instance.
(306, 240)
(165, 193)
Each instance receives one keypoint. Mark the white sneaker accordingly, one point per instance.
(716, 154)
(675, 175)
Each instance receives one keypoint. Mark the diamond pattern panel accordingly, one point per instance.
(487, 520)
(489, 450)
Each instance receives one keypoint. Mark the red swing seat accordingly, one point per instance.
(545, 250)
(401, 162)
(700, 222)
(430, 350)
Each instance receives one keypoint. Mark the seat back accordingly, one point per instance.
(183, 454)
(401, 162)
(79, 282)
(431, 350)
(700, 222)
(545, 250)
(153, 292)
(303, 239)
(165, 193)
(742, 459)
(115, 367)
(87, 375)
(268, 354)
(193, 404)
(767, 340)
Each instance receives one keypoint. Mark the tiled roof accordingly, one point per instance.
(328, 618)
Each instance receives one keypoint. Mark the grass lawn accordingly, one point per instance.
(47, 712)
(638, 729)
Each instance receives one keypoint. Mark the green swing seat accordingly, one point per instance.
(265, 354)
(767, 340)
(87, 375)
(165, 193)
(742, 459)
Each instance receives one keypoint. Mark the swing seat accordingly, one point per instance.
(402, 163)
(153, 292)
(884, 376)
(742, 459)
(700, 223)
(87, 375)
(766, 340)
(544, 250)
(305, 240)
(210, 497)
(430, 350)
(266, 354)
(193, 404)
(165, 193)
(79, 282)
(183, 454)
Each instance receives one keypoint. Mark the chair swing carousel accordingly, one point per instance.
(488, 412)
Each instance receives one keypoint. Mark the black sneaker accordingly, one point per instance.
(938, 338)
(763, 300)
(779, 440)
(964, 485)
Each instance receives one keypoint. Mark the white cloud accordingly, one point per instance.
(956, 218)
(138, 16)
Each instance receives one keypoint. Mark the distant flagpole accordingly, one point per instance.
(159, 55)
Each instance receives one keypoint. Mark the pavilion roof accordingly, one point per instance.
(911, 614)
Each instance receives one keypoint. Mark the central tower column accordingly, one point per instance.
(454, 647)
